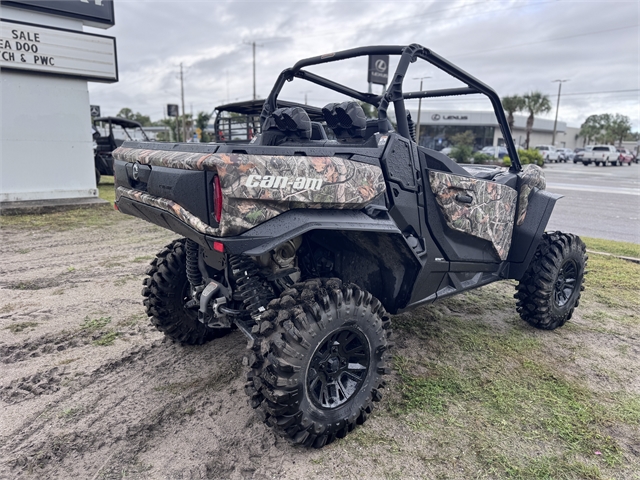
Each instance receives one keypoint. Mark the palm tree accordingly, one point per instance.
(535, 103)
(511, 105)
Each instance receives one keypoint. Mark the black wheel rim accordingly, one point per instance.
(338, 368)
(566, 282)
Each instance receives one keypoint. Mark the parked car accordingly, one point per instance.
(600, 154)
(550, 154)
(577, 155)
(625, 156)
(567, 153)
(495, 152)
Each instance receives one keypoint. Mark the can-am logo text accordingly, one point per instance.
(272, 181)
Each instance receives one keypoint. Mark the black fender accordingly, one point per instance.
(527, 236)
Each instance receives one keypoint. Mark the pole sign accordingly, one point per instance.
(378, 69)
(172, 110)
(36, 48)
(93, 13)
(95, 110)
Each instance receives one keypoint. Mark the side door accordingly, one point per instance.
(481, 209)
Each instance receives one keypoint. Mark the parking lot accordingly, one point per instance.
(599, 202)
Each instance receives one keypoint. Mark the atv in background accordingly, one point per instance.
(108, 134)
(308, 245)
(240, 122)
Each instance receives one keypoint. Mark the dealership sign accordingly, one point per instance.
(378, 69)
(58, 51)
(94, 13)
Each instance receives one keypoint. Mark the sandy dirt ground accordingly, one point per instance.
(89, 389)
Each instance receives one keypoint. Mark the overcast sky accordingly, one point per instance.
(513, 46)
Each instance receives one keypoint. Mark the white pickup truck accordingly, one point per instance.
(600, 154)
(551, 154)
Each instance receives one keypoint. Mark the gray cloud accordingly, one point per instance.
(513, 46)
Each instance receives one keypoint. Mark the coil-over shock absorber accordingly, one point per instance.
(193, 271)
(252, 289)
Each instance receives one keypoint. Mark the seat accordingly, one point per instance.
(346, 119)
(285, 124)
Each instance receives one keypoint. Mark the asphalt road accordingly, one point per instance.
(600, 202)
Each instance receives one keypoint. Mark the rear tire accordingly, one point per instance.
(165, 293)
(317, 364)
(97, 177)
(550, 289)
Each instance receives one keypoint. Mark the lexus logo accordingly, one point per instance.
(381, 65)
(435, 117)
(136, 171)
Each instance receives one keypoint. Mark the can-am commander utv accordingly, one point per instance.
(307, 245)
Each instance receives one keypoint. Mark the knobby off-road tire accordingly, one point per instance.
(165, 293)
(550, 289)
(318, 336)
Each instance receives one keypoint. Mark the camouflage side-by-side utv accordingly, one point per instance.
(307, 245)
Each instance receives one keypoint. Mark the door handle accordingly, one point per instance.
(463, 198)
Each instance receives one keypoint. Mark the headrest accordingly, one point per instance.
(293, 121)
(345, 119)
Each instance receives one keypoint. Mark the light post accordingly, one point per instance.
(555, 122)
(419, 108)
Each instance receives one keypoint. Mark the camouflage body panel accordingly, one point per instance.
(257, 188)
(530, 177)
(168, 206)
(490, 215)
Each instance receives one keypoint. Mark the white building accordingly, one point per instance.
(438, 126)
(46, 60)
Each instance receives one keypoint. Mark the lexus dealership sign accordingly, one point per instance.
(25, 46)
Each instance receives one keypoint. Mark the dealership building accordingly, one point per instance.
(438, 126)
(46, 62)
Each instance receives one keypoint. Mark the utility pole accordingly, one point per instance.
(305, 95)
(184, 123)
(419, 109)
(253, 46)
(555, 122)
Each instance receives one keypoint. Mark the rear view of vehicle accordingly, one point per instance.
(308, 245)
(601, 155)
(550, 154)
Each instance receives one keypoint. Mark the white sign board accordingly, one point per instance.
(58, 51)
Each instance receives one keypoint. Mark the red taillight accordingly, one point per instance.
(218, 246)
(217, 198)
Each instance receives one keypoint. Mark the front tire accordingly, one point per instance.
(322, 349)
(550, 289)
(165, 293)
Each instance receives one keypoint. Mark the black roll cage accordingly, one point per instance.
(393, 93)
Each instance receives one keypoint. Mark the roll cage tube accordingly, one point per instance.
(394, 93)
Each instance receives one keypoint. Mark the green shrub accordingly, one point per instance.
(526, 157)
(482, 158)
(461, 153)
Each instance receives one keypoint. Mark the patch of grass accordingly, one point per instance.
(94, 324)
(106, 189)
(97, 216)
(70, 412)
(26, 285)
(501, 389)
(624, 249)
(20, 326)
(107, 339)
(23, 251)
(7, 308)
(613, 282)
